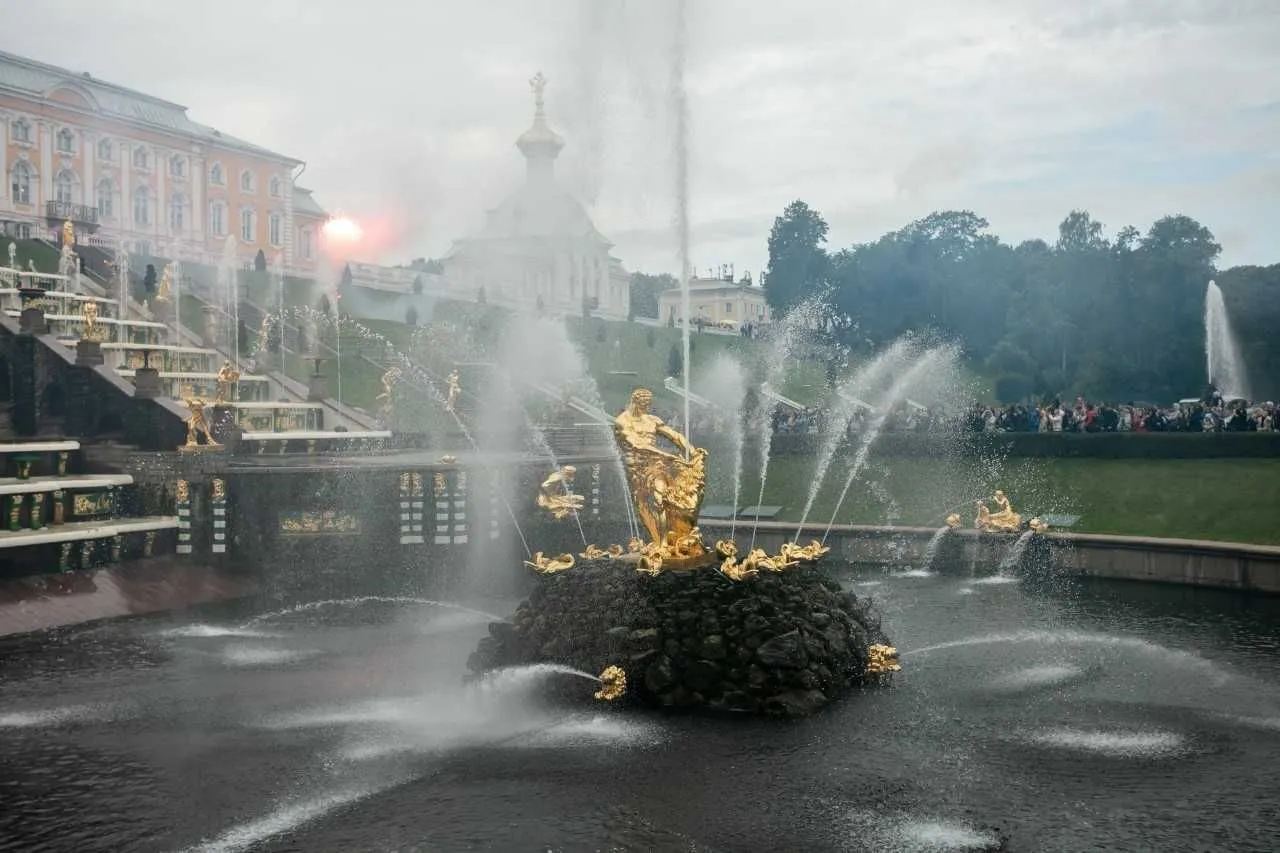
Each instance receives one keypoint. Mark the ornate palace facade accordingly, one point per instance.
(131, 168)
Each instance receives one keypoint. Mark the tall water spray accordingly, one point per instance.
(725, 385)
(928, 366)
(230, 292)
(867, 378)
(680, 108)
(1224, 362)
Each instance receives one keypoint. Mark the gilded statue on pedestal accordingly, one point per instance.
(667, 486)
(386, 400)
(1003, 519)
(228, 376)
(68, 233)
(90, 328)
(556, 493)
(197, 425)
(165, 290)
(455, 389)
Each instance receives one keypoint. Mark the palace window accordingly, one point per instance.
(275, 229)
(308, 243)
(218, 219)
(248, 226)
(66, 141)
(142, 206)
(178, 212)
(21, 131)
(21, 183)
(215, 175)
(106, 151)
(178, 166)
(64, 187)
(140, 159)
(274, 187)
(106, 198)
(246, 181)
(728, 308)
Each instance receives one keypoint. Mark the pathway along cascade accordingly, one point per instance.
(691, 625)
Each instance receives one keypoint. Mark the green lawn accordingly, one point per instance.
(1219, 499)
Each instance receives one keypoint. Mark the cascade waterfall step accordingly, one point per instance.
(76, 531)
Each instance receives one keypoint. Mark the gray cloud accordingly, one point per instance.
(873, 113)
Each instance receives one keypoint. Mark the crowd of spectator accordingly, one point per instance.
(1212, 414)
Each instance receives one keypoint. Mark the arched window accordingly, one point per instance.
(142, 206)
(64, 187)
(248, 225)
(21, 130)
(106, 151)
(22, 176)
(246, 181)
(178, 212)
(66, 141)
(140, 158)
(106, 198)
(178, 166)
(215, 175)
(218, 219)
(275, 229)
(274, 187)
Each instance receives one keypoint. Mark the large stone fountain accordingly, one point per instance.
(692, 626)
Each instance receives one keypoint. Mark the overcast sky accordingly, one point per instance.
(873, 112)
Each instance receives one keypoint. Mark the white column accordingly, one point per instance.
(46, 163)
(197, 178)
(88, 151)
(160, 165)
(4, 167)
(124, 214)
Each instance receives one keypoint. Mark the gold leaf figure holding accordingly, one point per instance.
(165, 291)
(197, 425)
(556, 496)
(550, 565)
(613, 683)
(729, 566)
(594, 553)
(228, 376)
(667, 486)
(68, 233)
(759, 559)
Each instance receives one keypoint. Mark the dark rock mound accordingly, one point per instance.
(780, 644)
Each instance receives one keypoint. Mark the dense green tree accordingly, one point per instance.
(644, 292)
(1119, 319)
(797, 257)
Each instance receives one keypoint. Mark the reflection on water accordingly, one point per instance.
(1059, 719)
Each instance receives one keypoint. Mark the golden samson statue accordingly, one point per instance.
(666, 485)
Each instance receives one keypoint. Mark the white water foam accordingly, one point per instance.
(913, 573)
(283, 819)
(928, 835)
(262, 656)
(51, 717)
(1038, 676)
(994, 580)
(1152, 743)
(313, 606)
(965, 590)
(1211, 669)
(210, 631)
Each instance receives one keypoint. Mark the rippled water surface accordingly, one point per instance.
(1098, 717)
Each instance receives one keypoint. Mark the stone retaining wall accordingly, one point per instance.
(1224, 565)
